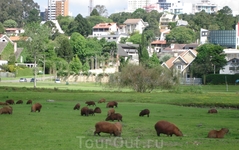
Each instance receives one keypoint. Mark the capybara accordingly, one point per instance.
(84, 111)
(217, 134)
(168, 128)
(91, 112)
(144, 112)
(36, 107)
(4, 103)
(10, 101)
(6, 110)
(19, 102)
(97, 110)
(29, 102)
(119, 126)
(213, 110)
(77, 106)
(89, 103)
(101, 100)
(115, 116)
(106, 127)
(111, 111)
(112, 104)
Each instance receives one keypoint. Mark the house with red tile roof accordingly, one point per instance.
(181, 62)
(104, 29)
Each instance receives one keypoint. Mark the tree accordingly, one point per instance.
(153, 61)
(33, 16)
(135, 38)
(101, 10)
(65, 50)
(80, 25)
(64, 22)
(75, 65)
(181, 35)
(225, 19)
(37, 42)
(210, 58)
(2, 30)
(10, 23)
(94, 13)
(142, 51)
(143, 79)
(78, 43)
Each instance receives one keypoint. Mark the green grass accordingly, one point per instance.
(58, 126)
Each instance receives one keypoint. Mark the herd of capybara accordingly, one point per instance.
(161, 127)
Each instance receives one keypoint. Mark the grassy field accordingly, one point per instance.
(58, 126)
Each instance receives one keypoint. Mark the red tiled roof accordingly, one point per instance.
(159, 42)
(104, 25)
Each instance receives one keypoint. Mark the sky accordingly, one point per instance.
(113, 6)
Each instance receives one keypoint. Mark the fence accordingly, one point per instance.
(191, 81)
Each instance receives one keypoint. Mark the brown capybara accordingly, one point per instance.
(84, 111)
(168, 128)
(89, 103)
(97, 110)
(36, 107)
(115, 116)
(111, 111)
(19, 102)
(91, 112)
(217, 134)
(106, 127)
(101, 100)
(144, 112)
(213, 110)
(29, 102)
(6, 110)
(77, 106)
(10, 102)
(119, 126)
(4, 103)
(112, 104)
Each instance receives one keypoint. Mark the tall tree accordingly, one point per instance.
(65, 50)
(209, 59)
(75, 65)
(37, 42)
(64, 22)
(78, 43)
(80, 25)
(101, 10)
(94, 12)
(142, 51)
(2, 30)
(33, 16)
(181, 35)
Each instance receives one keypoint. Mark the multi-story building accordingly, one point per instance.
(135, 4)
(206, 6)
(56, 8)
(165, 19)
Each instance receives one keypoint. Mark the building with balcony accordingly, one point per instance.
(56, 8)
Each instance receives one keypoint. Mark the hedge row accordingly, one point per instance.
(221, 79)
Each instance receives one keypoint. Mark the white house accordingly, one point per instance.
(111, 37)
(232, 57)
(165, 19)
(104, 29)
(133, 25)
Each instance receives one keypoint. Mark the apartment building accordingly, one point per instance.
(56, 8)
(135, 4)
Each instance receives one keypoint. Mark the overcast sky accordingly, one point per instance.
(81, 6)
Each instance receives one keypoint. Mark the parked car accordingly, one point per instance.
(22, 80)
(57, 81)
(33, 80)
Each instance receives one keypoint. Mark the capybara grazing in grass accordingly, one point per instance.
(4, 103)
(112, 104)
(77, 106)
(97, 110)
(29, 102)
(217, 134)
(106, 127)
(119, 126)
(168, 128)
(89, 103)
(144, 112)
(101, 100)
(84, 111)
(91, 112)
(6, 110)
(211, 111)
(111, 111)
(115, 116)
(36, 107)
(10, 102)
(19, 102)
